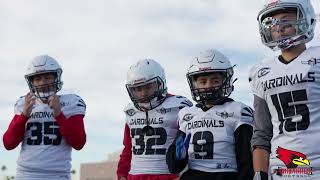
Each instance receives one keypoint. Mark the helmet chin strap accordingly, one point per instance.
(149, 105)
(144, 106)
(147, 129)
(206, 105)
(44, 96)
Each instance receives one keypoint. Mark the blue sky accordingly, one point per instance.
(96, 41)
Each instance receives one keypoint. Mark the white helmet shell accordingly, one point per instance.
(40, 65)
(143, 72)
(210, 61)
(305, 23)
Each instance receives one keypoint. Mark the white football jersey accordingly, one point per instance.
(149, 150)
(292, 93)
(44, 150)
(212, 142)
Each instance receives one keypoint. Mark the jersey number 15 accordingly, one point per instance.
(293, 113)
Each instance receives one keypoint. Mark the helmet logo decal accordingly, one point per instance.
(273, 2)
(204, 68)
(139, 80)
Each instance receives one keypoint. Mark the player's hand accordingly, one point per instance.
(29, 101)
(182, 146)
(54, 104)
(123, 178)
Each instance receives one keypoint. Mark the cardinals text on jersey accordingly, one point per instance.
(149, 150)
(43, 146)
(212, 143)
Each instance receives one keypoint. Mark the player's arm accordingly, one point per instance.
(261, 163)
(177, 157)
(262, 135)
(177, 153)
(243, 135)
(14, 134)
(72, 130)
(124, 163)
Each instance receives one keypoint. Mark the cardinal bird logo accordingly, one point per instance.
(292, 159)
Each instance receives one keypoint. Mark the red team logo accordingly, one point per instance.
(273, 2)
(296, 163)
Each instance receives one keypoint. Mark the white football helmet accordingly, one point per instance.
(146, 73)
(304, 24)
(41, 65)
(210, 61)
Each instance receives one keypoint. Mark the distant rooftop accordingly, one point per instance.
(98, 171)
